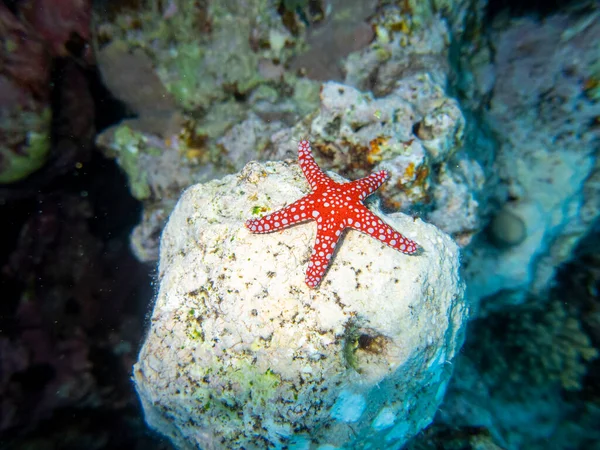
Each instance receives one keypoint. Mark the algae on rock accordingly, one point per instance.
(242, 354)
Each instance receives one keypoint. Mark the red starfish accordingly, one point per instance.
(335, 207)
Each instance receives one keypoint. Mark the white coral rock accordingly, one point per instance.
(242, 354)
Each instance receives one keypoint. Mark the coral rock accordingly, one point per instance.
(242, 354)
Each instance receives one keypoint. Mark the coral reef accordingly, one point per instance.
(233, 105)
(343, 32)
(25, 115)
(541, 347)
(32, 38)
(242, 354)
(547, 157)
(416, 132)
(514, 368)
(488, 124)
(531, 358)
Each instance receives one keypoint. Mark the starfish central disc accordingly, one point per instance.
(335, 207)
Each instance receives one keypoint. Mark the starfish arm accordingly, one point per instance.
(328, 235)
(292, 214)
(367, 185)
(366, 222)
(313, 173)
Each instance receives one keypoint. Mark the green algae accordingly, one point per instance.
(129, 145)
(33, 153)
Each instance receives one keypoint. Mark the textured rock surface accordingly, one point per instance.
(242, 354)
(416, 132)
(240, 108)
(535, 80)
(543, 118)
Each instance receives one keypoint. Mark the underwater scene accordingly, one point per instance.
(299, 224)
